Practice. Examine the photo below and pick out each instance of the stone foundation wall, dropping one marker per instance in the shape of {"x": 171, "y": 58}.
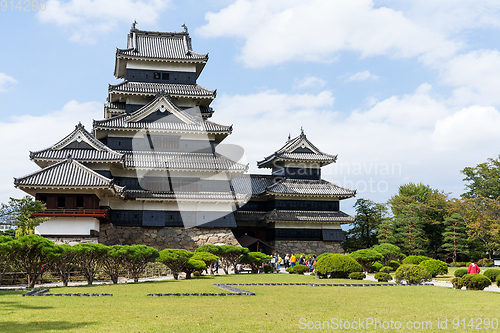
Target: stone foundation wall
{"x": 72, "y": 240}
{"x": 165, "y": 237}
{"x": 307, "y": 247}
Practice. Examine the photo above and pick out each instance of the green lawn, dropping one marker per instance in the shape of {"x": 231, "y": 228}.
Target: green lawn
{"x": 273, "y": 309}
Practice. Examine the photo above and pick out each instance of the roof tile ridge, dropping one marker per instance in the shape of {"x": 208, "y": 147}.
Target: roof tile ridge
{"x": 118, "y": 84}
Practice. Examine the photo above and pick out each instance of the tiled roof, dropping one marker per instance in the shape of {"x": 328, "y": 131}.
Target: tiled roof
{"x": 308, "y": 216}
{"x": 252, "y": 184}
{"x": 309, "y": 187}
{"x": 67, "y": 173}
{"x": 151, "y": 88}
{"x": 160, "y": 45}
{"x": 218, "y": 196}
{"x": 260, "y": 184}
{"x": 288, "y": 152}
{"x": 59, "y": 151}
{"x": 186, "y": 122}
{"x": 249, "y": 216}
{"x": 174, "y": 160}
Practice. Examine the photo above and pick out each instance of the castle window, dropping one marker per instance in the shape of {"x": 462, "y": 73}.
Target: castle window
{"x": 165, "y": 76}
{"x": 61, "y": 202}
{"x": 157, "y": 76}
{"x": 43, "y": 199}
{"x": 165, "y": 142}
{"x": 79, "y": 202}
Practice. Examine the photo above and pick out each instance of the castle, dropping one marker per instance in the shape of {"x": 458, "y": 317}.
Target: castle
{"x": 151, "y": 172}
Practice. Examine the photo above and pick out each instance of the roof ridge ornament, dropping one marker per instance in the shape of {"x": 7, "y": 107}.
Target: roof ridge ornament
{"x": 133, "y": 25}
{"x": 185, "y": 27}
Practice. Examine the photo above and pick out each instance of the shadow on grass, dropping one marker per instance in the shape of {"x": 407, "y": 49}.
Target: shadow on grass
{"x": 19, "y": 306}
{"x": 40, "y": 326}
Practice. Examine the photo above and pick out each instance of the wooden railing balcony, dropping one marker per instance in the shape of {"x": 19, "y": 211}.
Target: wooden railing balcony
{"x": 100, "y": 214}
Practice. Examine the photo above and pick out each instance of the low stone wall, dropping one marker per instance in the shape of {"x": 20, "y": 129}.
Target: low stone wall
{"x": 307, "y": 247}
{"x": 72, "y": 240}
{"x": 165, "y": 237}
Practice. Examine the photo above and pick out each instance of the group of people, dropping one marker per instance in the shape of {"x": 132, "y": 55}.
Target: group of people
{"x": 290, "y": 261}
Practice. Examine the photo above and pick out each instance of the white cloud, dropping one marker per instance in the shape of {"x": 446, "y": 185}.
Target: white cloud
{"x": 5, "y": 81}
{"x": 467, "y": 129}
{"x": 284, "y": 30}
{"x": 86, "y": 19}
{"x": 362, "y": 76}
{"x": 309, "y": 82}
{"x": 26, "y": 133}
{"x": 476, "y": 76}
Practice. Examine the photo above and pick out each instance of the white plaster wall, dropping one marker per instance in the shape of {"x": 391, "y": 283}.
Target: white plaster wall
{"x": 68, "y": 226}
{"x": 156, "y": 65}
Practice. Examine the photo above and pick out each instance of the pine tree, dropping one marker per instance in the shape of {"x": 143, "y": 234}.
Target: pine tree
{"x": 455, "y": 237}
{"x": 409, "y": 230}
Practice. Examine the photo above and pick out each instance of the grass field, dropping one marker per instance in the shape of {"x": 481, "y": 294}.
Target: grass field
{"x": 273, "y": 309}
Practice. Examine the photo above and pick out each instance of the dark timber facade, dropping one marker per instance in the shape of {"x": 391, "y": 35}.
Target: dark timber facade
{"x": 150, "y": 173}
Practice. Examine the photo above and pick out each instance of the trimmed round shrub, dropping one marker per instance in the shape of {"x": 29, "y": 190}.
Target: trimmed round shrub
{"x": 434, "y": 267}
{"x": 357, "y": 276}
{"x": 322, "y": 255}
{"x": 300, "y": 269}
{"x": 268, "y": 269}
{"x": 492, "y": 274}
{"x": 290, "y": 270}
{"x": 456, "y": 283}
{"x": 383, "y": 277}
{"x": 460, "y": 272}
{"x": 375, "y": 267}
{"x": 498, "y": 281}
{"x": 394, "y": 264}
{"x": 415, "y": 260}
{"x": 475, "y": 281}
{"x": 386, "y": 269}
{"x": 411, "y": 274}
{"x": 336, "y": 266}
{"x": 196, "y": 274}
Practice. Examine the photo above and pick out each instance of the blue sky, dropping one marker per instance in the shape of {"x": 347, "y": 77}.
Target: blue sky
{"x": 401, "y": 91}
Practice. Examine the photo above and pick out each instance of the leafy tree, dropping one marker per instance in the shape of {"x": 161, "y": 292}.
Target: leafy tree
{"x": 112, "y": 261}
{"x": 429, "y": 205}
{"x": 61, "y": 259}
{"x": 18, "y": 212}
{"x": 208, "y": 258}
{"x": 31, "y": 255}
{"x": 482, "y": 217}
{"x": 175, "y": 259}
{"x": 366, "y": 258}
{"x": 389, "y": 252}
{"x": 136, "y": 257}
{"x": 228, "y": 254}
{"x": 386, "y": 232}
{"x": 254, "y": 259}
{"x": 88, "y": 257}
{"x": 193, "y": 265}
{"x": 6, "y": 255}
{"x": 455, "y": 237}
{"x": 483, "y": 180}
{"x": 363, "y": 234}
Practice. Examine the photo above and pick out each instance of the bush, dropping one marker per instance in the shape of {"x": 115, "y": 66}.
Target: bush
{"x": 268, "y": 268}
{"x": 300, "y": 269}
{"x": 411, "y": 274}
{"x": 414, "y": 260}
{"x": 322, "y": 255}
{"x": 375, "y": 267}
{"x": 394, "y": 264}
{"x": 290, "y": 270}
{"x": 475, "y": 281}
{"x": 485, "y": 262}
{"x": 498, "y": 281}
{"x": 383, "y": 277}
{"x": 386, "y": 269}
{"x": 456, "y": 283}
{"x": 492, "y": 274}
{"x": 357, "y": 276}
{"x": 434, "y": 267}
{"x": 196, "y": 274}
{"x": 336, "y": 266}
{"x": 366, "y": 258}
{"x": 457, "y": 264}
{"x": 460, "y": 272}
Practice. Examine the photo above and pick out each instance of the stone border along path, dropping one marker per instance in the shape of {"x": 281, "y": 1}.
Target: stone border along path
{"x": 44, "y": 292}
{"x": 240, "y": 292}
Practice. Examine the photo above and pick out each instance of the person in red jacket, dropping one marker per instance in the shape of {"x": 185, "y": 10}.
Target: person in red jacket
{"x": 473, "y": 268}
